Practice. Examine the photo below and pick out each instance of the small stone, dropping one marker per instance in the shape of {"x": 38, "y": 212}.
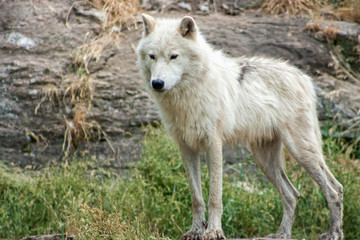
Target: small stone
{"x": 20, "y": 40}
{"x": 185, "y": 6}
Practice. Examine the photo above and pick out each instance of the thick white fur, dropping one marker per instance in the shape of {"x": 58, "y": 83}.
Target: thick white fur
{"x": 210, "y": 99}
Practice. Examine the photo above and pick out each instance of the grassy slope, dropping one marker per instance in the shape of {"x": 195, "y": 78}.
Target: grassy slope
{"x": 97, "y": 204}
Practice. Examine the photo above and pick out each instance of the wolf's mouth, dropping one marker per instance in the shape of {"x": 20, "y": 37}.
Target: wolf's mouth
{"x": 159, "y": 90}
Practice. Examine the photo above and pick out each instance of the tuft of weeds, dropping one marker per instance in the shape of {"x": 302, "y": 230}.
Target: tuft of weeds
{"x": 153, "y": 200}
{"x": 80, "y": 88}
{"x": 79, "y": 129}
{"x": 50, "y": 93}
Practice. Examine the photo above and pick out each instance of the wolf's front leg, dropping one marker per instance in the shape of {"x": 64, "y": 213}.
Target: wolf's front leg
{"x": 214, "y": 160}
{"x": 191, "y": 162}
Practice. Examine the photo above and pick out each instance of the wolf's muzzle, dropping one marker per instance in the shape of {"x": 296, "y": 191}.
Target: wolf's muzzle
{"x": 157, "y": 84}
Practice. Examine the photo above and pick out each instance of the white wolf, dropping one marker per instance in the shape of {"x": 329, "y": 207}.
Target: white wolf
{"x": 207, "y": 99}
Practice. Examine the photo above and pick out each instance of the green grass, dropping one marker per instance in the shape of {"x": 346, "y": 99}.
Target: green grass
{"x": 153, "y": 201}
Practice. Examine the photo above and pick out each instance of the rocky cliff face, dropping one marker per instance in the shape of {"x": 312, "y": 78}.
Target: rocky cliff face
{"x": 37, "y": 44}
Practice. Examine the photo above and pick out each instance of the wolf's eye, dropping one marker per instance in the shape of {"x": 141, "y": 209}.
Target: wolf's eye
{"x": 152, "y": 56}
{"x": 173, "y": 56}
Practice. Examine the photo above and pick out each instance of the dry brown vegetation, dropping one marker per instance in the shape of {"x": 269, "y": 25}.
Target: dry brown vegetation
{"x": 118, "y": 13}
{"x": 315, "y": 26}
{"x": 349, "y": 10}
{"x": 97, "y": 223}
{"x": 93, "y": 47}
{"x": 291, "y": 7}
{"x": 345, "y": 10}
{"x": 75, "y": 92}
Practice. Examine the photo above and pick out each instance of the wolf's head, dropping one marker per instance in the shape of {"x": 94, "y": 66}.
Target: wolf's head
{"x": 167, "y": 51}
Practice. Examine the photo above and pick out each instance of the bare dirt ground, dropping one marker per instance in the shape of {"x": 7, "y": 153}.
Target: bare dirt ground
{"x": 36, "y": 49}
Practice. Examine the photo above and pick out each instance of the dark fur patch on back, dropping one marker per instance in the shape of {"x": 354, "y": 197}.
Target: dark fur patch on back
{"x": 245, "y": 69}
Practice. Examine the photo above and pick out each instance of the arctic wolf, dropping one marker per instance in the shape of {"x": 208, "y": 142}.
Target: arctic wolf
{"x": 207, "y": 99}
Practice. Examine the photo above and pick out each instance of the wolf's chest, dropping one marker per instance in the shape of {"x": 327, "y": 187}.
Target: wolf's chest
{"x": 189, "y": 121}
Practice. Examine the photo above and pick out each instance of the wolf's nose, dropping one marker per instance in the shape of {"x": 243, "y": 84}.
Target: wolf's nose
{"x": 157, "y": 84}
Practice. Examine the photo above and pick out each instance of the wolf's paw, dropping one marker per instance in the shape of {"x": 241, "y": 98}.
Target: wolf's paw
{"x": 331, "y": 236}
{"x": 279, "y": 235}
{"x": 192, "y": 236}
{"x": 213, "y": 234}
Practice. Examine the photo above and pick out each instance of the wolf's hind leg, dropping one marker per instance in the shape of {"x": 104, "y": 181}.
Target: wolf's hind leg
{"x": 268, "y": 156}
{"x": 191, "y": 162}
{"x": 307, "y": 150}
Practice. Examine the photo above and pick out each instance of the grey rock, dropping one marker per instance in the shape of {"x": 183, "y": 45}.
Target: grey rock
{"x": 339, "y": 105}
{"x": 18, "y": 39}
{"x": 186, "y": 6}
{"x": 348, "y": 30}
{"x": 87, "y": 11}
{"x": 50, "y": 237}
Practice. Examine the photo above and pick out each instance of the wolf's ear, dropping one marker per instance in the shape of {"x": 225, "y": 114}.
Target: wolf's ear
{"x": 149, "y": 23}
{"x": 188, "y": 27}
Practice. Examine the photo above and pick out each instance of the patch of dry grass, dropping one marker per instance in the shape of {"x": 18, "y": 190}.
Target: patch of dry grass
{"x": 349, "y": 10}
{"x": 315, "y": 25}
{"x": 80, "y": 88}
{"x": 99, "y": 224}
{"x": 345, "y": 10}
{"x": 49, "y": 93}
{"x": 118, "y": 13}
{"x": 93, "y": 47}
{"x": 80, "y": 128}
{"x": 290, "y": 7}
